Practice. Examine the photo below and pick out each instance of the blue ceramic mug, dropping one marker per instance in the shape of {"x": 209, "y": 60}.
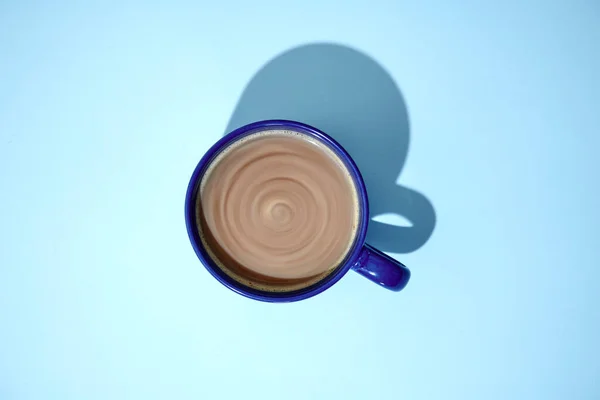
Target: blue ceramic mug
{"x": 362, "y": 258}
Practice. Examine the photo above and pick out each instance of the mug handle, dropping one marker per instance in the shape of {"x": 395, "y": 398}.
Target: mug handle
{"x": 381, "y": 269}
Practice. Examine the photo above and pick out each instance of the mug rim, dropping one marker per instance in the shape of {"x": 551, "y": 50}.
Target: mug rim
{"x": 218, "y": 273}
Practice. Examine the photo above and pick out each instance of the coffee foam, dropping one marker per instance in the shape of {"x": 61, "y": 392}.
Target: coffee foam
{"x": 262, "y": 277}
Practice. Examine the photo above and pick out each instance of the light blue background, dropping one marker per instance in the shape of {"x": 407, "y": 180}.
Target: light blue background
{"x": 105, "y": 109}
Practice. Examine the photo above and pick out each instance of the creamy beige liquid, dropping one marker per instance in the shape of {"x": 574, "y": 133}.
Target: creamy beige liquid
{"x": 277, "y": 210}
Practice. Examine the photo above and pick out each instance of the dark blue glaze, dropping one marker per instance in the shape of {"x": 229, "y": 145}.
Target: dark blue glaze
{"x": 381, "y": 269}
{"x": 366, "y": 260}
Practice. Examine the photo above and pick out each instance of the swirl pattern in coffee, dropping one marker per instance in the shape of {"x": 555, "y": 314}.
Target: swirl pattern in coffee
{"x": 277, "y": 210}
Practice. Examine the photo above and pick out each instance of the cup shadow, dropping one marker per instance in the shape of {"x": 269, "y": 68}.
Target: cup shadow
{"x": 349, "y": 96}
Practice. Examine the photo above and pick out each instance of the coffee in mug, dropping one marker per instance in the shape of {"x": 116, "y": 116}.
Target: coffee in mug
{"x": 277, "y": 210}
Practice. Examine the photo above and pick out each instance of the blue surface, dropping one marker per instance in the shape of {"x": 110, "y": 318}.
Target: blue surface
{"x": 105, "y": 109}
